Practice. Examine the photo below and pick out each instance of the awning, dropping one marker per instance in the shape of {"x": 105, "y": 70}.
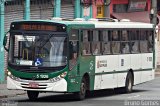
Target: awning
{"x": 133, "y": 16}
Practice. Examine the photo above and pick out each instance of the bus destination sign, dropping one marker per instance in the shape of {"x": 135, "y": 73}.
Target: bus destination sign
{"x": 38, "y": 27}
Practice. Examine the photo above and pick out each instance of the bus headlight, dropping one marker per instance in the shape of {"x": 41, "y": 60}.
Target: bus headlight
{"x": 9, "y": 73}
{"x": 13, "y": 77}
{"x": 58, "y": 78}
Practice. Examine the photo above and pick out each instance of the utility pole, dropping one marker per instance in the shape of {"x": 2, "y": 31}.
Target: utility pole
{"x": 153, "y": 20}
{"x": 27, "y": 10}
{"x": 57, "y": 8}
{"x": 1, "y": 41}
{"x": 77, "y": 9}
{"x": 107, "y": 8}
{"x": 153, "y": 12}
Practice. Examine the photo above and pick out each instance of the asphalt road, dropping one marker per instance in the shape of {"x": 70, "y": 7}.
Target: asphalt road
{"x": 146, "y": 94}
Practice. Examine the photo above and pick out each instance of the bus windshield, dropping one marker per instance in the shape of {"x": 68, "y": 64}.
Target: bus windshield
{"x": 42, "y": 50}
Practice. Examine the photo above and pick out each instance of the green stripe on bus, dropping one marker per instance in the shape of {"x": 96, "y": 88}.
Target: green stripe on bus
{"x": 125, "y": 71}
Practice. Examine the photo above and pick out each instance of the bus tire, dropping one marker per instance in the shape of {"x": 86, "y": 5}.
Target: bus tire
{"x": 129, "y": 83}
{"x": 82, "y": 93}
{"x": 32, "y": 95}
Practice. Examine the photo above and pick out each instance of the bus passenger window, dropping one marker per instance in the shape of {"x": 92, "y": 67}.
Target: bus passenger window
{"x": 115, "y": 36}
{"x": 125, "y": 42}
{"x": 134, "y": 47}
{"x": 106, "y": 48}
{"x": 85, "y": 43}
{"x": 134, "y": 37}
{"x": 150, "y": 41}
{"x": 106, "y": 42}
{"x": 115, "y": 42}
{"x": 125, "y": 47}
{"x": 95, "y": 43}
{"x": 95, "y": 48}
{"x": 86, "y": 48}
{"x": 115, "y": 47}
{"x": 124, "y": 35}
{"x": 143, "y": 42}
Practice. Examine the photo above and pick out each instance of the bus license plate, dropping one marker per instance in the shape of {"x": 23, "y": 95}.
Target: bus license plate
{"x": 33, "y": 85}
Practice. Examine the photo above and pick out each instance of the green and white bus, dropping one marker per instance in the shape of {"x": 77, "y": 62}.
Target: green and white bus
{"x": 78, "y": 56}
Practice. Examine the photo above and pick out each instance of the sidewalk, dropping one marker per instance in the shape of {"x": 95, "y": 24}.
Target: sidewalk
{"x": 4, "y": 92}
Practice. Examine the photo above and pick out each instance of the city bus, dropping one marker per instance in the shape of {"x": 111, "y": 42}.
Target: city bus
{"x": 78, "y": 56}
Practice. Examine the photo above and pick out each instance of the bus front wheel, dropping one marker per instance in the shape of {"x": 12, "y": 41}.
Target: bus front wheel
{"x": 82, "y": 93}
{"x": 32, "y": 95}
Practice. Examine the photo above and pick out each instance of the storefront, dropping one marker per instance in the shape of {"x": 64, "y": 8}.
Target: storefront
{"x": 41, "y": 9}
{"x": 67, "y": 9}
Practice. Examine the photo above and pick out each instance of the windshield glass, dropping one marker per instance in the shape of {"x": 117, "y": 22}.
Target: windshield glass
{"x": 39, "y": 50}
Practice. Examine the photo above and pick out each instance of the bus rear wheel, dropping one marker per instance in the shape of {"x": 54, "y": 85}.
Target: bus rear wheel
{"x": 129, "y": 83}
{"x": 82, "y": 93}
{"x": 32, "y": 95}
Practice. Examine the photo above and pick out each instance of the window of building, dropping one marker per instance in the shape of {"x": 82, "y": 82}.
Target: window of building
{"x": 100, "y": 11}
{"x": 120, "y": 8}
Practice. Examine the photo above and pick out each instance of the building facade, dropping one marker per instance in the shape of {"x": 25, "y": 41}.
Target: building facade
{"x": 135, "y": 10}
{"x": 13, "y": 10}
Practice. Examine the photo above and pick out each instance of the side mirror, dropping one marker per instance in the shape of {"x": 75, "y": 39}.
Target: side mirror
{"x": 5, "y": 41}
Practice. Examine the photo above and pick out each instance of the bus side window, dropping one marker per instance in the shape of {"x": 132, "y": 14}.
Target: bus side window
{"x": 95, "y": 43}
{"x": 150, "y": 41}
{"x": 125, "y": 49}
{"x": 134, "y": 37}
{"x": 86, "y": 42}
{"x": 143, "y": 42}
{"x": 115, "y": 42}
{"x": 106, "y": 42}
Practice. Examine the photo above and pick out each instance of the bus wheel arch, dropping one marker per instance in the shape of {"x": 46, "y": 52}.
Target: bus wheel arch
{"x": 87, "y": 78}
{"x": 84, "y": 86}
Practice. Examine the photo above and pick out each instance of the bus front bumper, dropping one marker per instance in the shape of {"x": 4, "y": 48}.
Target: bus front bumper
{"x": 59, "y": 86}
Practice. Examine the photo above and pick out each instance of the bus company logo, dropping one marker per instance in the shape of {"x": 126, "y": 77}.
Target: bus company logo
{"x": 101, "y": 63}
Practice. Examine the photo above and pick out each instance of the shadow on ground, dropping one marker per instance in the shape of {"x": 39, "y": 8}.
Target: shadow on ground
{"x": 71, "y": 97}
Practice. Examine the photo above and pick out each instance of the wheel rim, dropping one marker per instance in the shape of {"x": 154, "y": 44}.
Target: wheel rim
{"x": 129, "y": 84}
{"x": 83, "y": 89}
